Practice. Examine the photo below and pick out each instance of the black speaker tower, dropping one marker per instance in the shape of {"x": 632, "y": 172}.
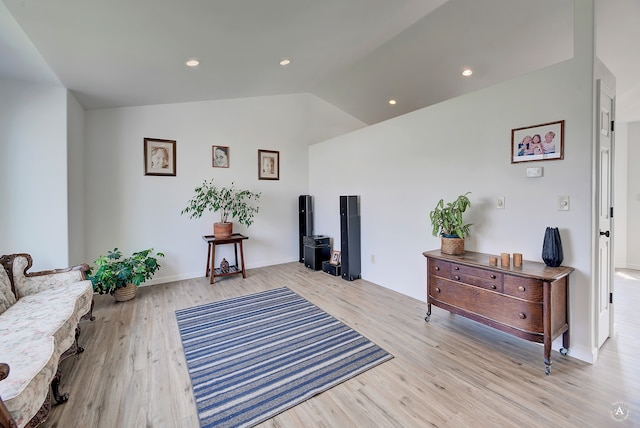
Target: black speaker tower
{"x": 305, "y": 216}
{"x": 350, "y": 237}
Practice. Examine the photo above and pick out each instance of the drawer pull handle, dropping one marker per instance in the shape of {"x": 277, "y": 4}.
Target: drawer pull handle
{"x": 456, "y": 268}
{"x": 437, "y": 267}
{"x": 457, "y": 278}
{"x": 522, "y": 316}
{"x": 437, "y": 289}
{"x": 493, "y": 287}
{"x": 493, "y": 276}
{"x": 521, "y": 288}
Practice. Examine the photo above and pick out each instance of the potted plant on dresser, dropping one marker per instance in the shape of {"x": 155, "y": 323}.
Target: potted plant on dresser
{"x": 447, "y": 222}
{"x": 230, "y": 202}
{"x": 120, "y": 276}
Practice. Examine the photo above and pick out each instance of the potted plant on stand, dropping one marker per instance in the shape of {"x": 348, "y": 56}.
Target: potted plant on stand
{"x": 230, "y": 202}
{"x": 120, "y": 276}
{"x": 447, "y": 223}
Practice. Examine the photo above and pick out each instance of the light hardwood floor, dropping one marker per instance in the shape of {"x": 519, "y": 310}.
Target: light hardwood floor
{"x": 450, "y": 372}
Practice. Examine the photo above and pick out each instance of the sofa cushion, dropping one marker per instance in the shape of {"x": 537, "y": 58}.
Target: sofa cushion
{"x": 78, "y": 295}
{"x": 33, "y": 364}
{"x": 7, "y": 298}
{"x": 54, "y": 312}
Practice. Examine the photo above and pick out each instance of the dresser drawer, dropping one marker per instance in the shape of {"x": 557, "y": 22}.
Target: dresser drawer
{"x": 504, "y": 309}
{"x": 439, "y": 268}
{"x": 523, "y": 288}
{"x": 478, "y": 277}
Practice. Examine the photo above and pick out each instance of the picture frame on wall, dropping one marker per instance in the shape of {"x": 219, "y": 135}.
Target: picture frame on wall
{"x": 268, "y": 165}
{"x": 538, "y": 142}
{"x": 335, "y": 257}
{"x": 159, "y": 157}
{"x": 220, "y": 156}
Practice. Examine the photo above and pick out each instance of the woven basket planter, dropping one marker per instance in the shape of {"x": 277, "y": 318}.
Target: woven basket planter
{"x": 452, "y": 246}
{"x": 128, "y": 292}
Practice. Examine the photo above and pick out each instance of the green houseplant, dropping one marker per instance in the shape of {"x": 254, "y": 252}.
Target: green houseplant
{"x": 120, "y": 276}
{"x": 447, "y": 222}
{"x": 230, "y": 202}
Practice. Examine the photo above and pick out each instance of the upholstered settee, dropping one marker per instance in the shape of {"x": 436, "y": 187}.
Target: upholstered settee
{"x": 40, "y": 315}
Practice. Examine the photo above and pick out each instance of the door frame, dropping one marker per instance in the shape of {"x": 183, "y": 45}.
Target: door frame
{"x": 602, "y": 87}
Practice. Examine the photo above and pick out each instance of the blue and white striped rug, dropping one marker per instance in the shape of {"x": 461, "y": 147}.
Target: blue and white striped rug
{"x": 255, "y": 356}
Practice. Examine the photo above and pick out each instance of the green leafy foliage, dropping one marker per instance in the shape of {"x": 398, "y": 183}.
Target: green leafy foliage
{"x": 228, "y": 201}
{"x": 113, "y": 271}
{"x": 447, "y": 219}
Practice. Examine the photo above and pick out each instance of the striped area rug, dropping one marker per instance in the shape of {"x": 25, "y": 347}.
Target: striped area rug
{"x": 255, "y": 356}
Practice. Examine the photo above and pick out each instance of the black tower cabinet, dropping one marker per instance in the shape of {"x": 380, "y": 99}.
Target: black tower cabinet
{"x": 350, "y": 237}
{"x": 305, "y": 220}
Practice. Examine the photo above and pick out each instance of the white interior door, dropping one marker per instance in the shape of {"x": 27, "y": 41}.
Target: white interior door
{"x": 605, "y": 205}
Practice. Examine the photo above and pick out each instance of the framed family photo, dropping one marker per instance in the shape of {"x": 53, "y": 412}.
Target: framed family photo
{"x": 268, "y": 165}
{"x": 538, "y": 142}
{"x": 335, "y": 257}
{"x": 159, "y": 157}
{"x": 220, "y": 156}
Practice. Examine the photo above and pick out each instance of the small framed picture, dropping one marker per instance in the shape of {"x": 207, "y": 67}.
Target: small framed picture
{"x": 538, "y": 142}
{"x": 220, "y": 156}
{"x": 335, "y": 257}
{"x": 268, "y": 165}
{"x": 159, "y": 157}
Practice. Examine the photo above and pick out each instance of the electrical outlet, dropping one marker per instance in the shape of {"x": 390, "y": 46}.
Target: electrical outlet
{"x": 373, "y": 259}
{"x": 500, "y": 202}
{"x": 563, "y": 203}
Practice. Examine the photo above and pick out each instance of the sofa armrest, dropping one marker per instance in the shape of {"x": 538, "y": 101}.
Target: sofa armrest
{"x": 6, "y": 420}
{"x": 28, "y": 283}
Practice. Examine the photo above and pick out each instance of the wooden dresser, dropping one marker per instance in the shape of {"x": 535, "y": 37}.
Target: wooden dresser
{"x": 530, "y": 302}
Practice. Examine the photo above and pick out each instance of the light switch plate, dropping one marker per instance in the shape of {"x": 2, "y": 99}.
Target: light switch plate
{"x": 534, "y": 172}
{"x": 500, "y": 202}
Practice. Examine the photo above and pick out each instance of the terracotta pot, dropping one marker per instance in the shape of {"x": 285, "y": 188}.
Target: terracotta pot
{"x": 125, "y": 293}
{"x": 453, "y": 246}
{"x": 222, "y": 230}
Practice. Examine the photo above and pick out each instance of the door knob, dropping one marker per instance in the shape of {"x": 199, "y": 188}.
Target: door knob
{"x": 604, "y": 233}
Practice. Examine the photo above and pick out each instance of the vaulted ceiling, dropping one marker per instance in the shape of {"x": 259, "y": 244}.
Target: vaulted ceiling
{"x": 355, "y": 54}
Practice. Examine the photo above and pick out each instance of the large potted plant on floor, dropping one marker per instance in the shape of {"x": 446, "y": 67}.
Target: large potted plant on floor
{"x": 446, "y": 220}
{"x": 230, "y": 202}
{"x": 121, "y": 276}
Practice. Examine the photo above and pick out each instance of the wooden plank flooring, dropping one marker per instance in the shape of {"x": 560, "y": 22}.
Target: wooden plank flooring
{"x": 450, "y": 372}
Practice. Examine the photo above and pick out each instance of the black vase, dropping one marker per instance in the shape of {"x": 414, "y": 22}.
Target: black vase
{"x": 552, "y": 247}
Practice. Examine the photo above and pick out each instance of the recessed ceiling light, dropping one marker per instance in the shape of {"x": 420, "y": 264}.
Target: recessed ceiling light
{"x": 192, "y": 62}
{"x": 285, "y": 61}
{"x": 393, "y": 102}
{"x": 467, "y": 72}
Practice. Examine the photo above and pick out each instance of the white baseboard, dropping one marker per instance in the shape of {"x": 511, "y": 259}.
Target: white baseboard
{"x": 584, "y": 354}
{"x": 164, "y": 279}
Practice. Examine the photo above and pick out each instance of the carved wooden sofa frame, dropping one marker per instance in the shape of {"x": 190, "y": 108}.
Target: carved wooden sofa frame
{"x": 8, "y": 262}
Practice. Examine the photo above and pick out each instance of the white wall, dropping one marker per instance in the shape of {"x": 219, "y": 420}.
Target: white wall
{"x": 76, "y": 178}
{"x": 633, "y": 197}
{"x": 620, "y": 218}
{"x": 33, "y": 170}
{"x": 128, "y": 210}
{"x": 402, "y": 167}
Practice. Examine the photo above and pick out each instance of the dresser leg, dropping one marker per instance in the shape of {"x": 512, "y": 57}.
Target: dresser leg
{"x": 428, "y": 316}
{"x": 547, "y": 363}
